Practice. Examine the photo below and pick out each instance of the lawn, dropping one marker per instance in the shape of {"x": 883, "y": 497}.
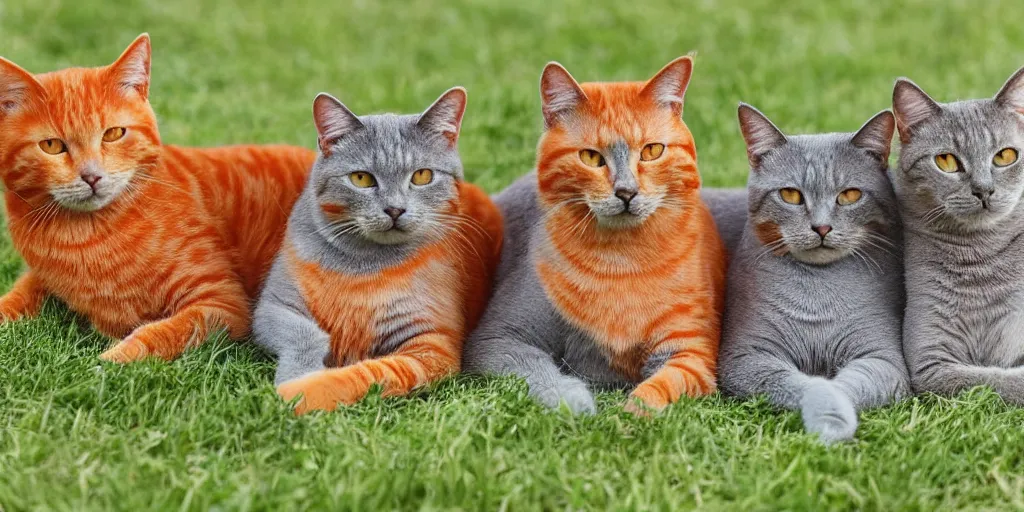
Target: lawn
{"x": 207, "y": 431}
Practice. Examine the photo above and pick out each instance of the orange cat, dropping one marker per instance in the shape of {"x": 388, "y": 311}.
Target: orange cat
{"x": 161, "y": 244}
{"x": 620, "y": 280}
{"x": 388, "y": 259}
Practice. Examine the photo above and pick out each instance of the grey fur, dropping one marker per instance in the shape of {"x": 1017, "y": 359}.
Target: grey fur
{"x": 729, "y": 208}
{"x": 964, "y": 323}
{"x": 390, "y": 147}
{"x": 817, "y": 330}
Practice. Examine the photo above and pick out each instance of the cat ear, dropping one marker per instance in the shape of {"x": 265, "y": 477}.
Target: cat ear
{"x": 760, "y": 133}
{"x": 333, "y": 121}
{"x": 1012, "y": 92}
{"x": 669, "y": 85}
{"x": 875, "y": 136}
{"x": 16, "y": 87}
{"x": 911, "y": 106}
{"x": 131, "y": 69}
{"x": 560, "y": 93}
{"x": 444, "y": 117}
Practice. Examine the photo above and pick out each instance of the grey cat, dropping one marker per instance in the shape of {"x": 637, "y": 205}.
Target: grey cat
{"x": 387, "y": 221}
{"x": 959, "y": 185}
{"x": 815, "y": 290}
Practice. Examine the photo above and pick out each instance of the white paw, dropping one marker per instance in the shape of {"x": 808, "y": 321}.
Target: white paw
{"x": 828, "y": 412}
{"x": 570, "y": 391}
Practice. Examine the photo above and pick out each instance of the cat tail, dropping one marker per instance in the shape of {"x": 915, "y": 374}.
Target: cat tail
{"x": 421, "y": 360}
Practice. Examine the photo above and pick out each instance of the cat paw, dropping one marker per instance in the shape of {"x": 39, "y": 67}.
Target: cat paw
{"x": 570, "y": 391}
{"x": 828, "y": 412}
{"x": 128, "y": 350}
{"x": 319, "y": 391}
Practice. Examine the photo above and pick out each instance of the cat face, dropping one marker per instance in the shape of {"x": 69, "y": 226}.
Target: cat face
{"x": 960, "y": 165}
{"x": 387, "y": 179}
{"x": 79, "y": 136}
{"x": 818, "y": 198}
{"x": 617, "y": 152}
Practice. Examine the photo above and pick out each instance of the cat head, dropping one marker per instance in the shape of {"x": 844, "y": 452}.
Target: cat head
{"x": 80, "y": 135}
{"x": 616, "y": 151}
{"x": 960, "y": 163}
{"x": 818, "y": 198}
{"x": 387, "y": 179}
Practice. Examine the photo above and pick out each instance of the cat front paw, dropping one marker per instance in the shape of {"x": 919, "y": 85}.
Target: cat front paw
{"x": 128, "y": 350}
{"x": 322, "y": 391}
{"x": 828, "y": 412}
{"x": 568, "y": 390}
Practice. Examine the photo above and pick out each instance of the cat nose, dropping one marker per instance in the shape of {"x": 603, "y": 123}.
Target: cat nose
{"x": 984, "y": 196}
{"x": 822, "y": 230}
{"x": 91, "y": 178}
{"x": 393, "y": 212}
{"x": 625, "y": 195}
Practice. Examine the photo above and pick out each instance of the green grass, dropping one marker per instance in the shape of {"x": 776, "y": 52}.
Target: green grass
{"x": 208, "y": 431}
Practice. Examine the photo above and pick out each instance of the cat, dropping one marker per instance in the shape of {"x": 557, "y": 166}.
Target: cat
{"x": 959, "y": 185}
{"x": 815, "y": 290}
{"x": 728, "y": 206}
{"x": 612, "y": 274}
{"x": 387, "y": 262}
{"x": 158, "y": 244}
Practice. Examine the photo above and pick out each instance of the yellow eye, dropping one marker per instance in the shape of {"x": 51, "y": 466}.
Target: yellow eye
{"x": 849, "y": 196}
{"x": 591, "y": 158}
{"x": 1005, "y": 157}
{"x": 946, "y": 162}
{"x": 791, "y": 196}
{"x": 53, "y": 146}
{"x": 113, "y": 134}
{"x": 422, "y": 177}
{"x": 362, "y": 179}
{"x": 652, "y": 152}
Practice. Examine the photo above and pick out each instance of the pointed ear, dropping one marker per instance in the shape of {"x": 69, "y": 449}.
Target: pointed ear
{"x": 333, "y": 121}
{"x": 444, "y": 117}
{"x": 669, "y": 85}
{"x": 560, "y": 93}
{"x": 1012, "y": 92}
{"x": 17, "y": 86}
{"x": 131, "y": 69}
{"x": 875, "y": 136}
{"x": 760, "y": 134}
{"x": 911, "y": 106}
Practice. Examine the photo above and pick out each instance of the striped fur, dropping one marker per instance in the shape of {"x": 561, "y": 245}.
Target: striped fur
{"x": 176, "y": 246}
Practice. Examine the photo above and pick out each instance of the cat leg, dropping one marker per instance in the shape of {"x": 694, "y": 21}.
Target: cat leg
{"x": 417, "y": 362}
{"x": 828, "y": 411}
{"x": 299, "y": 343}
{"x": 207, "y": 304}
{"x": 688, "y": 368}
{"x": 24, "y": 300}
{"x": 547, "y": 384}
{"x": 949, "y": 378}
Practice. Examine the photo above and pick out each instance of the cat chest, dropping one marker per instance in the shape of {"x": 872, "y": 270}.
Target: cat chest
{"x": 617, "y": 313}
{"x": 370, "y": 316}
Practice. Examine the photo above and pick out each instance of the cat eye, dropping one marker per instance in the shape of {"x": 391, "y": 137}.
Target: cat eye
{"x": 849, "y": 196}
{"x": 362, "y": 179}
{"x": 113, "y": 134}
{"x": 946, "y": 162}
{"x": 1005, "y": 157}
{"x": 422, "y": 177}
{"x": 791, "y": 196}
{"x": 651, "y": 152}
{"x": 53, "y": 146}
{"x": 591, "y": 158}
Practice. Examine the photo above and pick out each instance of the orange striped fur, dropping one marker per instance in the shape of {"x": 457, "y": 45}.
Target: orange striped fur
{"x": 179, "y": 252}
{"x": 657, "y": 288}
{"x": 455, "y": 273}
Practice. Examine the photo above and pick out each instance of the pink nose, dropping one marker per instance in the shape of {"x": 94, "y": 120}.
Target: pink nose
{"x": 91, "y": 178}
{"x": 822, "y": 230}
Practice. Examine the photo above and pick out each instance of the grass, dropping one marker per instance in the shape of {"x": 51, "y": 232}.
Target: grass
{"x": 208, "y": 431}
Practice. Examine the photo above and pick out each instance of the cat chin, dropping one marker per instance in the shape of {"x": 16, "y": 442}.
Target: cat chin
{"x": 389, "y": 237}
{"x": 91, "y": 204}
{"x": 620, "y": 221}
{"x": 819, "y": 255}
